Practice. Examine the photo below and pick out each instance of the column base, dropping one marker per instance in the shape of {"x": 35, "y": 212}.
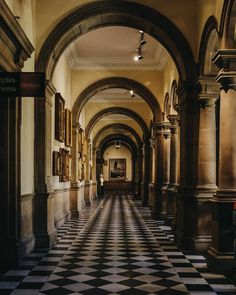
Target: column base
{"x": 164, "y": 201}
{"x": 185, "y": 219}
{"x": 74, "y": 214}
{"x": 202, "y": 243}
{"x": 45, "y": 240}
{"x": 220, "y": 255}
{"x": 171, "y": 205}
{"x": 86, "y": 194}
{"x": 184, "y": 242}
{"x": 219, "y": 262}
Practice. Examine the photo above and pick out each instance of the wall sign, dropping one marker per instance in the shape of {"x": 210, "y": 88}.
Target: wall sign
{"x": 22, "y": 84}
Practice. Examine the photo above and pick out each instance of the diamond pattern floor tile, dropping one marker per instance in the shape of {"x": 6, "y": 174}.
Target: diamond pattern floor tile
{"x": 114, "y": 249}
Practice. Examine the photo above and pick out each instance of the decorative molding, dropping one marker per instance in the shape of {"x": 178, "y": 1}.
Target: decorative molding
{"x": 17, "y": 46}
{"x": 27, "y": 197}
{"x": 225, "y": 59}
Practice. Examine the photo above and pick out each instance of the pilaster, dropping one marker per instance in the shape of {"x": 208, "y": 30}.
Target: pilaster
{"x": 44, "y": 229}
{"x": 158, "y": 180}
{"x": 185, "y": 205}
{"x": 166, "y": 165}
{"x": 220, "y": 255}
{"x": 174, "y": 156}
{"x": 206, "y": 185}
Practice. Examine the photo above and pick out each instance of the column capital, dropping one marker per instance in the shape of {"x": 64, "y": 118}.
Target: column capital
{"x": 156, "y": 129}
{"x": 174, "y": 120}
{"x": 166, "y": 129}
{"x": 152, "y": 142}
{"x": 208, "y": 86}
{"x": 225, "y": 60}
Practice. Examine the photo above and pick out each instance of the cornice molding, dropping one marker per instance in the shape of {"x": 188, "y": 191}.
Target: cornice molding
{"x": 17, "y": 44}
{"x": 225, "y": 59}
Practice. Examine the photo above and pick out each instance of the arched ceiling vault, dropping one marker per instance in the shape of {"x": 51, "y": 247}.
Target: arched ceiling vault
{"x": 110, "y": 140}
{"x": 117, "y": 13}
{"x": 117, "y": 82}
{"x": 116, "y": 110}
{"x": 117, "y": 126}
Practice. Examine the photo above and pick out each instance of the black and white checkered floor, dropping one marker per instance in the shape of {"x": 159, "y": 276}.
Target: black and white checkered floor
{"x": 114, "y": 248}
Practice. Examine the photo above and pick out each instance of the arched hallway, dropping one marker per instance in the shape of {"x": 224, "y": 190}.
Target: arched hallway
{"x": 135, "y": 96}
{"x": 115, "y": 247}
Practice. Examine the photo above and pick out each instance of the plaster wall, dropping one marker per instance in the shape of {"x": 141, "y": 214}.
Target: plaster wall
{"x": 169, "y": 75}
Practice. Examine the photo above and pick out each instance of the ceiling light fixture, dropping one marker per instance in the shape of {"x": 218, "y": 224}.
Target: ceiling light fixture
{"x": 142, "y": 42}
{"x": 132, "y": 93}
{"x": 117, "y": 144}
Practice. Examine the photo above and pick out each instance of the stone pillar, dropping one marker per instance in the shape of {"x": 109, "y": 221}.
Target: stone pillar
{"x": 220, "y": 255}
{"x": 152, "y": 176}
{"x": 185, "y": 205}
{"x": 146, "y": 172}
{"x": 44, "y": 229}
{"x": 166, "y": 166}
{"x": 206, "y": 186}
{"x": 86, "y": 172}
{"x": 94, "y": 169}
{"x": 158, "y": 180}
{"x": 74, "y": 202}
{"x": 172, "y": 187}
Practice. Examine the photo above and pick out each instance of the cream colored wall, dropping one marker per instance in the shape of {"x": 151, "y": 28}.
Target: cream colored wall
{"x": 61, "y": 81}
{"x": 207, "y": 8}
{"x": 26, "y": 11}
{"x": 182, "y": 14}
{"x": 121, "y": 153}
{"x": 169, "y": 75}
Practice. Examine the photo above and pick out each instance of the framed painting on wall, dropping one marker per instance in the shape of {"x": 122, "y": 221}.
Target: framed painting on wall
{"x": 117, "y": 169}
{"x": 59, "y": 117}
{"x": 56, "y": 163}
{"x": 68, "y": 128}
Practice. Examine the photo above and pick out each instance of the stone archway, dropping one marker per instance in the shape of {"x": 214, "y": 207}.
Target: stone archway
{"x": 116, "y": 110}
{"x": 134, "y": 184}
{"x": 123, "y": 13}
{"x": 117, "y": 82}
{"x": 119, "y": 126}
{"x": 142, "y": 124}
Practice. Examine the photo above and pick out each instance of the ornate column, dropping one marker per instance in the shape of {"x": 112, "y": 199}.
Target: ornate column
{"x": 86, "y": 172}
{"x": 158, "y": 170}
{"x": 74, "y": 202}
{"x": 146, "y": 173}
{"x": 94, "y": 169}
{"x": 206, "y": 185}
{"x": 151, "y": 186}
{"x": 185, "y": 205}
{"x": 220, "y": 255}
{"x": 172, "y": 187}
{"x": 166, "y": 166}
